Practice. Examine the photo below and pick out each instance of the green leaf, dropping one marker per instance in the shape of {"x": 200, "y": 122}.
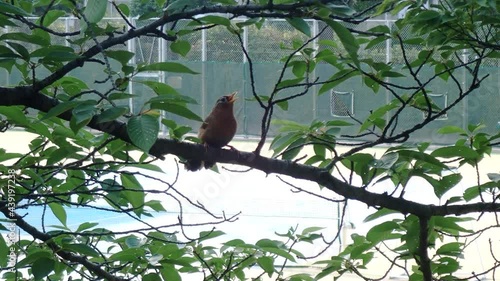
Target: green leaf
{"x": 133, "y": 242}
{"x": 455, "y": 151}
{"x": 380, "y": 213}
{"x": 14, "y": 114}
{"x": 86, "y": 225}
{"x": 234, "y": 243}
{"x": 387, "y": 161}
{"x": 283, "y": 105}
{"x": 377, "y": 114}
{"x": 290, "y": 82}
{"x": 417, "y": 155}
{"x": 216, "y": 20}
{"x": 82, "y": 249}
{"x": 59, "y": 212}
{"x": 377, "y": 40}
{"x": 4, "y": 156}
{"x": 178, "y": 109}
{"x": 293, "y": 149}
{"x": 268, "y": 243}
{"x": 311, "y": 229}
{"x": 58, "y": 56}
{"x": 168, "y": 272}
{"x": 155, "y": 205}
{"x": 10, "y": 9}
{"x": 450, "y": 224}
{"x": 84, "y": 111}
{"x": 4, "y": 249}
{"x": 391, "y": 74}
{"x": 180, "y": 47}
{"x": 166, "y": 93}
{"x": 473, "y": 192}
{"x": 267, "y": 264}
{"x": 300, "y": 24}
{"x": 124, "y": 9}
{"x": 338, "y": 123}
{"x": 6, "y": 52}
{"x": 8, "y": 64}
{"x": 59, "y": 109}
{"x": 20, "y": 49}
{"x": 280, "y": 142}
{"x": 279, "y": 252}
{"x": 166, "y": 66}
{"x": 453, "y": 249}
{"x": 206, "y": 235}
{"x": 23, "y": 37}
{"x": 319, "y": 150}
{"x": 382, "y": 232}
{"x": 446, "y": 265}
{"x": 446, "y": 184}
{"x": 134, "y": 192}
{"x": 95, "y": 10}
{"x": 111, "y": 114}
{"x": 336, "y": 79}
{"x": 151, "y": 277}
{"x": 299, "y": 68}
{"x": 42, "y": 267}
{"x": 347, "y": 39}
{"x": 4, "y": 22}
{"x": 143, "y": 131}
{"x": 121, "y": 56}
{"x": 427, "y": 15}
{"x": 327, "y": 271}
{"x": 51, "y": 16}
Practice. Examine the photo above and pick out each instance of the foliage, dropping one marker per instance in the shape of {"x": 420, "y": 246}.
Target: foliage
{"x": 92, "y": 151}
{"x": 141, "y": 7}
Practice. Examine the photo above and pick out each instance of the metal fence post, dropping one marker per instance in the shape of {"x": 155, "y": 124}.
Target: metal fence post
{"x": 244, "y": 86}
{"x": 131, "y": 48}
{"x": 315, "y": 31}
{"x": 203, "y": 72}
{"x": 465, "y": 108}
{"x": 388, "y": 58}
{"x": 163, "y": 57}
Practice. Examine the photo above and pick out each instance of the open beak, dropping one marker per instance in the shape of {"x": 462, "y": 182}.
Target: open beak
{"x": 232, "y": 97}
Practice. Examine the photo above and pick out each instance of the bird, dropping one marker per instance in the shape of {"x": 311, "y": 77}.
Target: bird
{"x": 217, "y": 130}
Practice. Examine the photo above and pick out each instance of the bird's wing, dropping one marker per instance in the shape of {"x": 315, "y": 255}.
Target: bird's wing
{"x": 201, "y": 132}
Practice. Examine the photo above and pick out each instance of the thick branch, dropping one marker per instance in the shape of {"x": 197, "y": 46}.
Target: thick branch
{"x": 41, "y": 102}
{"x": 425, "y": 262}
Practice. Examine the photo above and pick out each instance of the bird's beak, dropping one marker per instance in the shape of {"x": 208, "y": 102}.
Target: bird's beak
{"x": 232, "y": 97}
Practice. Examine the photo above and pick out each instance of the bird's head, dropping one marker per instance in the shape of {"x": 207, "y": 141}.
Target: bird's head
{"x": 227, "y": 101}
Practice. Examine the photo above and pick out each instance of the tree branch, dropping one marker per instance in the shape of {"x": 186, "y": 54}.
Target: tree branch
{"x": 425, "y": 262}
{"x": 23, "y": 96}
{"x": 92, "y": 267}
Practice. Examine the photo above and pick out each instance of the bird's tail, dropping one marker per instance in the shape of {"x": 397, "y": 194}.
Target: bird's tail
{"x": 208, "y": 164}
{"x": 193, "y": 165}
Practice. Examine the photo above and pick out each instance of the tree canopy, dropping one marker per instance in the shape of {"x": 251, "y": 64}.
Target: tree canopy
{"x": 97, "y": 141}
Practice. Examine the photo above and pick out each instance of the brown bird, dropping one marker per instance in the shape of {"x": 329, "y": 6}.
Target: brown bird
{"x": 217, "y": 130}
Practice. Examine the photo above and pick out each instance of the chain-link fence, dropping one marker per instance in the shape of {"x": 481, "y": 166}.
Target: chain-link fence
{"x": 217, "y": 55}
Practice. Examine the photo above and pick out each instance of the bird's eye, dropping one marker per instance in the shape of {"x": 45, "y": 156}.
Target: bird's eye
{"x": 223, "y": 99}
